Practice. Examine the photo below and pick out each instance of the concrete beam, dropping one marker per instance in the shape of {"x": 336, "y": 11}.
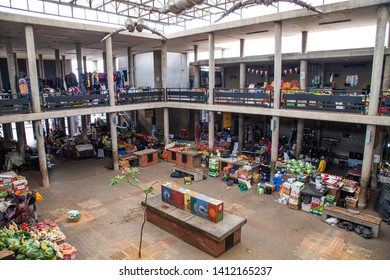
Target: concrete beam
{"x": 317, "y": 55}
{"x": 285, "y": 113}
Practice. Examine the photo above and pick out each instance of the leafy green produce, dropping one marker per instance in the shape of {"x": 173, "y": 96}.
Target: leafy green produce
{"x": 20, "y": 257}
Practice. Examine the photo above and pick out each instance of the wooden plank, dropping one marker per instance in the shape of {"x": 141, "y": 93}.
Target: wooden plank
{"x": 195, "y": 172}
{"x": 361, "y": 219}
{"x": 360, "y": 216}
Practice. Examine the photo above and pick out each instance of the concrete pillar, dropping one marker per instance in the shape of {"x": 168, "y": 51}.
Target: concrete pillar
{"x": 47, "y": 125}
{"x": 110, "y": 72}
{"x": 378, "y": 151}
{"x": 11, "y": 68}
{"x": 300, "y": 131}
{"x": 304, "y": 42}
{"x": 17, "y": 65}
{"x": 242, "y": 48}
{"x": 386, "y": 70}
{"x": 105, "y": 61}
{"x": 241, "y": 133}
{"x": 85, "y": 64}
{"x": 197, "y": 68}
{"x": 157, "y": 68}
{"x": 32, "y": 65}
{"x": 196, "y": 123}
{"x": 57, "y": 62}
{"x": 79, "y": 63}
{"x": 211, "y": 131}
{"x": 111, "y": 92}
{"x": 63, "y": 62}
{"x": 242, "y": 75}
{"x": 68, "y": 120}
{"x": 303, "y": 66}
{"x": 164, "y": 64}
{"x": 211, "y": 71}
{"x": 41, "y": 152}
{"x": 130, "y": 64}
{"x": 377, "y": 66}
{"x": 84, "y": 124}
{"x": 62, "y": 124}
{"x": 242, "y": 65}
{"x": 21, "y": 134}
{"x": 166, "y": 126}
{"x": 278, "y": 79}
{"x": 114, "y": 140}
{"x": 7, "y": 131}
{"x": 303, "y": 74}
{"x": 41, "y": 67}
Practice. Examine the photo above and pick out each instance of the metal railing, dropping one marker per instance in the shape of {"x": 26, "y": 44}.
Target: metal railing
{"x": 246, "y": 97}
{"x": 186, "y": 95}
{"x": 9, "y": 105}
{"x": 150, "y": 95}
{"x": 329, "y": 103}
{"x": 340, "y": 101}
{"x": 73, "y": 102}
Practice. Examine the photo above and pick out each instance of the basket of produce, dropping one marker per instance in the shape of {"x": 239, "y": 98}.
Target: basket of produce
{"x": 73, "y": 216}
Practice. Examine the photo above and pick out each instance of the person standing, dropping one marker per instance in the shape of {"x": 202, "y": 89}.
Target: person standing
{"x": 322, "y": 165}
{"x": 22, "y": 213}
{"x": 31, "y": 201}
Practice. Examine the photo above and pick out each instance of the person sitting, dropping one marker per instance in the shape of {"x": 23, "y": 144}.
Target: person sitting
{"x": 23, "y": 213}
{"x": 31, "y": 201}
{"x": 10, "y": 196}
{"x": 322, "y": 165}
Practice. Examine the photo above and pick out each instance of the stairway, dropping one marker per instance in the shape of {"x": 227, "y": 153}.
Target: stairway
{"x": 127, "y": 118}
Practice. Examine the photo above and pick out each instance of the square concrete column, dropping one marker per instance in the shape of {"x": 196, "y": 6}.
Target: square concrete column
{"x": 211, "y": 68}
{"x": 41, "y": 67}
{"x": 278, "y": 79}
{"x": 130, "y": 66}
{"x": 11, "y": 68}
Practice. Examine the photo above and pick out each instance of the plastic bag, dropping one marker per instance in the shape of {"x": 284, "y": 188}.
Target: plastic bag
{"x": 38, "y": 197}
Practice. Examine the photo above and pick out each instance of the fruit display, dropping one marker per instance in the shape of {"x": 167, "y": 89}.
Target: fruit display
{"x": 299, "y": 166}
{"x": 37, "y": 242}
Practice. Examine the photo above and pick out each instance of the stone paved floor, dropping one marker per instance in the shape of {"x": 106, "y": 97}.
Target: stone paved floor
{"x": 112, "y": 216}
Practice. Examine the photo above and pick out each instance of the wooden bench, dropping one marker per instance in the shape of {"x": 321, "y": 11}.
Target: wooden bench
{"x": 194, "y": 172}
{"x": 361, "y": 218}
{"x": 213, "y": 239}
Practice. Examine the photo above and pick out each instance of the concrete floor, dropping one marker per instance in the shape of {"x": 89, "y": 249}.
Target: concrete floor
{"x": 112, "y": 217}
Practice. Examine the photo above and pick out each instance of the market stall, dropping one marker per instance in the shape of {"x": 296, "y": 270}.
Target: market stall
{"x": 42, "y": 241}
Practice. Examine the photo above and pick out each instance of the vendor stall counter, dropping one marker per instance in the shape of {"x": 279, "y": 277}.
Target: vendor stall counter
{"x": 147, "y": 157}
{"x": 191, "y": 159}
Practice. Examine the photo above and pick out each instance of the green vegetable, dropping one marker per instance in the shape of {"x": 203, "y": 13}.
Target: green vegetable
{"x": 49, "y": 253}
{"x": 20, "y": 257}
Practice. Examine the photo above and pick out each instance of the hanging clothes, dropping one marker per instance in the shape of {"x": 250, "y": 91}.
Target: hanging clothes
{"x": 352, "y": 80}
{"x": 23, "y": 87}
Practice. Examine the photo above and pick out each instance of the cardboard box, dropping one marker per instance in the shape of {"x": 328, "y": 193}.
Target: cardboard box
{"x": 306, "y": 207}
{"x": 351, "y": 202}
{"x": 317, "y": 205}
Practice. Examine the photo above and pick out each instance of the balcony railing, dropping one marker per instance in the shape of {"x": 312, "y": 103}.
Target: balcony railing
{"x": 186, "y": 95}
{"x": 329, "y": 103}
{"x": 146, "y": 96}
{"x": 320, "y": 100}
{"x": 245, "y": 97}
{"x": 9, "y": 105}
{"x": 73, "y": 102}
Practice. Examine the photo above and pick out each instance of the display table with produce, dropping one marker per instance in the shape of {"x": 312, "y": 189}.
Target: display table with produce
{"x": 36, "y": 242}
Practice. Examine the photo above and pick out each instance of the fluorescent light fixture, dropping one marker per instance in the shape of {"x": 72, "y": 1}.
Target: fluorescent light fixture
{"x": 55, "y": 36}
{"x": 335, "y": 21}
{"x": 200, "y": 40}
{"x": 256, "y": 32}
